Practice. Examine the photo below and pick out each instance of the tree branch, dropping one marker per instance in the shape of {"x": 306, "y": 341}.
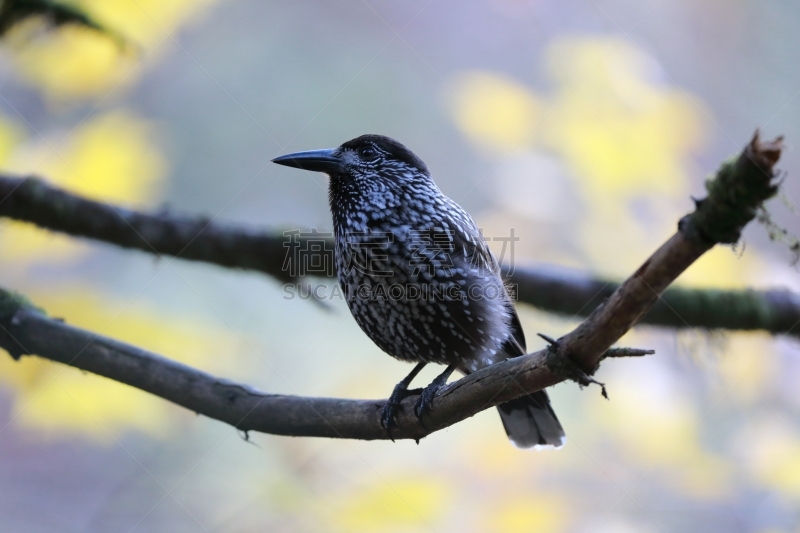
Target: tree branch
{"x": 572, "y": 293}
{"x": 195, "y": 239}
{"x": 25, "y": 330}
{"x": 198, "y": 239}
{"x": 738, "y": 189}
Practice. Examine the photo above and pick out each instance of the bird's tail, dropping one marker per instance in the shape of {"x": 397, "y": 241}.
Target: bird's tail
{"x": 530, "y": 422}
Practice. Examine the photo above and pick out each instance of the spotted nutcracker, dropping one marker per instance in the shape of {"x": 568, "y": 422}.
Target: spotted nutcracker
{"x": 419, "y": 278}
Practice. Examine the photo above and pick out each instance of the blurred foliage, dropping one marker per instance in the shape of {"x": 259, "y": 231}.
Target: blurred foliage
{"x": 626, "y": 136}
{"x": 529, "y": 512}
{"x": 78, "y": 62}
{"x": 615, "y": 135}
{"x": 58, "y": 399}
{"x": 621, "y": 129}
{"x": 12, "y": 12}
{"x": 71, "y": 63}
{"x": 495, "y": 111}
{"x": 775, "y": 458}
{"x": 111, "y": 157}
{"x": 393, "y": 505}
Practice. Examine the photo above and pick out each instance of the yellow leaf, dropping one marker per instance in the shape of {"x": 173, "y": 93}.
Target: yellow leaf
{"x": 620, "y": 127}
{"x": 72, "y": 62}
{"x": 110, "y": 158}
{"x": 145, "y": 22}
{"x": 493, "y": 110}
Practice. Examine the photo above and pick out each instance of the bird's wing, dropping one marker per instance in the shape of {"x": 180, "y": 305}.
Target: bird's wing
{"x": 466, "y": 241}
{"x": 469, "y": 243}
{"x": 515, "y": 345}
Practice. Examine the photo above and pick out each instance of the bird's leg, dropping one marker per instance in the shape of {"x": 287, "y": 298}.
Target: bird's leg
{"x": 425, "y": 403}
{"x": 393, "y": 403}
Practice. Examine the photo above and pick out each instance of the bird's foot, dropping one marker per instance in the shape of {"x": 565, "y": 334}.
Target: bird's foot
{"x": 425, "y": 403}
{"x": 564, "y": 366}
{"x": 393, "y": 406}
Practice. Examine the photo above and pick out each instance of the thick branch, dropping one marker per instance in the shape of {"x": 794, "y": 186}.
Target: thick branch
{"x": 738, "y": 189}
{"x": 197, "y": 239}
{"x": 26, "y": 330}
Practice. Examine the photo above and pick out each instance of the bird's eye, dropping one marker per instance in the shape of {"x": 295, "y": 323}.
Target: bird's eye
{"x": 367, "y": 153}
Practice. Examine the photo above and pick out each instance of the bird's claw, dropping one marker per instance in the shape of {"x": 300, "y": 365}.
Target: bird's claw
{"x": 424, "y": 404}
{"x": 393, "y": 406}
{"x": 388, "y": 414}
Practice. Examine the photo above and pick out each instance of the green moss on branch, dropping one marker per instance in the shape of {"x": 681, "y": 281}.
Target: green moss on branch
{"x": 735, "y": 194}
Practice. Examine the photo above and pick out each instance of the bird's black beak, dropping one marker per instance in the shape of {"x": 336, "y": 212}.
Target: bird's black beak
{"x": 316, "y": 160}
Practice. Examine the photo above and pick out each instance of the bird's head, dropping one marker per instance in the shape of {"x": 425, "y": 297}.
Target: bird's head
{"x": 364, "y": 163}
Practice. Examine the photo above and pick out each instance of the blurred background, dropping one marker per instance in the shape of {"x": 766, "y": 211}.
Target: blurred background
{"x": 583, "y": 125}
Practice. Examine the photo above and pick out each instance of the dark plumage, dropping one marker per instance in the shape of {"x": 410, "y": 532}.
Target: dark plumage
{"x": 419, "y": 277}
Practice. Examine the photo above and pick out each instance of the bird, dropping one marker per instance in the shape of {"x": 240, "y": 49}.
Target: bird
{"x": 419, "y": 278}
